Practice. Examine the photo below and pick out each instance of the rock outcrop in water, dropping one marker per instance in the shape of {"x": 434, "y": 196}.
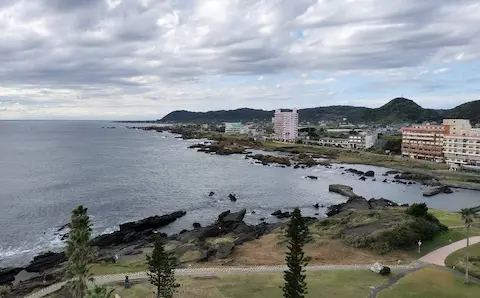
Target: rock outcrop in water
{"x": 137, "y": 230}
{"x": 354, "y": 202}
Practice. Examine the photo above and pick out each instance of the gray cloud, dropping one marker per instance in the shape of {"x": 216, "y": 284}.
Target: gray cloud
{"x": 170, "y": 49}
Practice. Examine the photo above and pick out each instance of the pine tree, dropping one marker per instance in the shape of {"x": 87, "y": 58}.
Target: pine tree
{"x": 297, "y": 234}
{"x": 79, "y": 252}
{"x": 99, "y": 292}
{"x": 468, "y": 215}
{"x": 161, "y": 270}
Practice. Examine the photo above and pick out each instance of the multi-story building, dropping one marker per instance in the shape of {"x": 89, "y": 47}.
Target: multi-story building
{"x": 235, "y": 128}
{"x": 423, "y": 141}
{"x": 363, "y": 140}
{"x": 334, "y": 142}
{"x": 285, "y": 125}
{"x": 462, "y": 143}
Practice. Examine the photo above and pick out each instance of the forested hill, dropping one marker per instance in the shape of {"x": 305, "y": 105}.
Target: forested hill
{"x": 397, "y": 110}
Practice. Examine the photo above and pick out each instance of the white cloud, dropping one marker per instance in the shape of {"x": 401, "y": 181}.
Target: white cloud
{"x": 150, "y": 57}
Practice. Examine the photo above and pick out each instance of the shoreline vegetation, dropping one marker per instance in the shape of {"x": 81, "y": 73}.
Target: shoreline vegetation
{"x": 223, "y": 144}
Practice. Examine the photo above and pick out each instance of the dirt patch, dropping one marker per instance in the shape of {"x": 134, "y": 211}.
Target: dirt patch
{"x": 270, "y": 250}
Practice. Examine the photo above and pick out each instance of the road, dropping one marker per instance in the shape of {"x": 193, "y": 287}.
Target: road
{"x": 438, "y": 256}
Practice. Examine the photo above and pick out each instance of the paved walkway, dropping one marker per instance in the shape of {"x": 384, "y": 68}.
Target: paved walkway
{"x": 212, "y": 271}
{"x": 438, "y": 256}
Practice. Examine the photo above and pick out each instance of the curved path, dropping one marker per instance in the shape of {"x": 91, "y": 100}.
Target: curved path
{"x": 438, "y": 256}
{"x": 211, "y": 271}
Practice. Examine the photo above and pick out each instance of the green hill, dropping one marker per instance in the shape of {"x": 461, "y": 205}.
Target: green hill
{"x": 398, "y": 110}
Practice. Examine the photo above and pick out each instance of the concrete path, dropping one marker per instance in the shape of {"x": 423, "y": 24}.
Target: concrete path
{"x": 438, "y": 256}
{"x": 212, "y": 271}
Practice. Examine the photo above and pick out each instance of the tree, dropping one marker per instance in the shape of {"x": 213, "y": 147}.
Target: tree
{"x": 161, "y": 270}
{"x": 99, "y": 292}
{"x": 297, "y": 234}
{"x": 79, "y": 252}
{"x": 468, "y": 216}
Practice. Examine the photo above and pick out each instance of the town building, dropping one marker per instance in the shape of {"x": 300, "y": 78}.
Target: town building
{"x": 423, "y": 141}
{"x": 285, "y": 125}
{"x": 462, "y": 143}
{"x": 235, "y": 128}
{"x": 334, "y": 142}
{"x": 363, "y": 140}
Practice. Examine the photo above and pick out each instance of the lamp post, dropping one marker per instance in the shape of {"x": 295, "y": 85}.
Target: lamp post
{"x": 419, "y": 246}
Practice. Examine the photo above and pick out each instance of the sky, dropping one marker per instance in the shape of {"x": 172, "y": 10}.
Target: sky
{"x": 141, "y": 59}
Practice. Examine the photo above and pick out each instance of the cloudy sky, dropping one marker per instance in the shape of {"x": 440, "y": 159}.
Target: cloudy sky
{"x": 140, "y": 59}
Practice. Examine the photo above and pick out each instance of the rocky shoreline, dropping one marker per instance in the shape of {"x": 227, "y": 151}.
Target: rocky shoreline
{"x": 212, "y": 242}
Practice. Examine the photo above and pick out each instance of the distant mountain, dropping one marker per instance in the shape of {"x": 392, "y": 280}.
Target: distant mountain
{"x": 397, "y": 110}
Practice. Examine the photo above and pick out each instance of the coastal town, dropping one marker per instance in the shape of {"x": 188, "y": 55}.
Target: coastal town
{"x": 454, "y": 142}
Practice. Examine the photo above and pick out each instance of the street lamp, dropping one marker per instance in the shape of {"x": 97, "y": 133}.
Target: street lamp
{"x": 419, "y": 246}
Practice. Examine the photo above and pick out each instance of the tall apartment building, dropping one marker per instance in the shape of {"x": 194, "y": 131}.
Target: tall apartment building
{"x": 285, "y": 125}
{"x": 462, "y": 143}
{"x": 423, "y": 142}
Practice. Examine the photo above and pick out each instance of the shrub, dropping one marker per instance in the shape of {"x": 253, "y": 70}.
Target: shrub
{"x": 417, "y": 210}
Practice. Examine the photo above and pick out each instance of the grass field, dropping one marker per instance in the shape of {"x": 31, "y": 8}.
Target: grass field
{"x": 431, "y": 282}
{"x": 133, "y": 265}
{"x": 339, "y": 284}
{"x": 447, "y": 218}
{"x": 458, "y": 260}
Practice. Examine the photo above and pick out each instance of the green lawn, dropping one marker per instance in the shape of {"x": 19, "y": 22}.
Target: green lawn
{"x": 431, "y": 282}
{"x": 134, "y": 265}
{"x": 447, "y": 218}
{"x": 458, "y": 260}
{"x": 338, "y": 284}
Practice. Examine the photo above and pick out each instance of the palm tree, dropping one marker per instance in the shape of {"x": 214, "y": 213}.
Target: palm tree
{"x": 99, "y": 292}
{"x": 468, "y": 214}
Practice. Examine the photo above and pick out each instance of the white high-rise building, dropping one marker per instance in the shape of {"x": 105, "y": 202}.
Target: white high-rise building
{"x": 285, "y": 125}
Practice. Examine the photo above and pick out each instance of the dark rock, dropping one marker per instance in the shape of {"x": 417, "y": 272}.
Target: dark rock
{"x": 234, "y": 216}
{"x": 385, "y": 181}
{"x": 374, "y": 179}
{"x": 404, "y": 205}
{"x": 284, "y": 215}
{"x": 437, "y": 190}
{"x": 134, "y": 231}
{"x": 296, "y": 166}
{"x": 317, "y": 213}
{"x": 46, "y": 261}
{"x": 363, "y": 178}
{"x": 7, "y": 275}
{"x": 262, "y": 218}
{"x": 253, "y": 212}
{"x": 413, "y": 176}
{"x": 152, "y": 222}
{"x": 316, "y": 206}
{"x": 353, "y": 203}
{"x": 369, "y": 173}
{"x": 343, "y": 190}
{"x": 276, "y": 213}
{"x": 65, "y": 226}
{"x": 232, "y": 197}
{"x": 312, "y": 177}
{"x": 64, "y": 237}
{"x": 381, "y": 203}
{"x": 197, "y": 225}
{"x": 222, "y": 215}
{"x": 355, "y": 171}
{"x": 183, "y": 231}
{"x": 211, "y": 194}
{"x": 303, "y": 167}
{"x": 385, "y": 271}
